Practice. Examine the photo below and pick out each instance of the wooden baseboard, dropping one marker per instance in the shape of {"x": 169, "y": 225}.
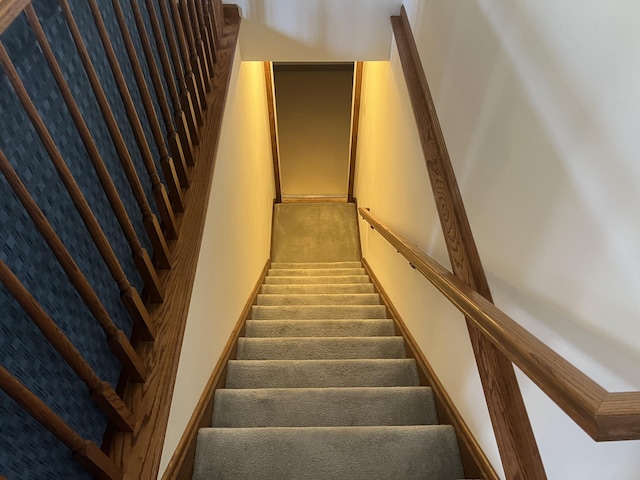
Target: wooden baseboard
{"x": 181, "y": 464}
{"x": 474, "y": 461}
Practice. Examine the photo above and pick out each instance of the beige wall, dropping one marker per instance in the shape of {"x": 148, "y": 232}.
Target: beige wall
{"x": 536, "y": 102}
{"x": 314, "y": 121}
{"x": 236, "y": 241}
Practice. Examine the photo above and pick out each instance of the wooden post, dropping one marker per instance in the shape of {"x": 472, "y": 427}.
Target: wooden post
{"x": 139, "y": 254}
{"x": 128, "y": 293}
{"x": 101, "y": 392}
{"x": 190, "y": 78}
{"x": 188, "y": 107}
{"x": 175, "y": 143}
{"x": 159, "y": 192}
{"x": 116, "y": 339}
{"x": 85, "y": 452}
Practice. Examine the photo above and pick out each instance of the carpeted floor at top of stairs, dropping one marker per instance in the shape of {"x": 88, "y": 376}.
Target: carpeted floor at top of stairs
{"x": 321, "y": 387}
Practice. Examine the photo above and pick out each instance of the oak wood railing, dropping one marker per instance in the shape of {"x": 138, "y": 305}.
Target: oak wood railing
{"x": 603, "y": 415}
{"x": 206, "y": 33}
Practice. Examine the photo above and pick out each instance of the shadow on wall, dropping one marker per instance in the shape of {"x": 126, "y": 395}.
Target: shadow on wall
{"x": 550, "y": 192}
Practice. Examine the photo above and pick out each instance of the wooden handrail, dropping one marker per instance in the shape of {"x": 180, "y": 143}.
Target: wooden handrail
{"x": 101, "y": 392}
{"x": 604, "y": 415}
{"x": 9, "y": 10}
{"x": 86, "y": 452}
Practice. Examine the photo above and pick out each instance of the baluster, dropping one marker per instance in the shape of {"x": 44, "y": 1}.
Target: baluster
{"x": 139, "y": 254}
{"x": 161, "y": 250}
{"x": 218, "y": 18}
{"x": 101, "y": 392}
{"x": 188, "y": 107}
{"x": 196, "y": 64}
{"x": 85, "y": 452}
{"x": 207, "y": 35}
{"x": 116, "y": 338}
{"x": 128, "y": 293}
{"x": 174, "y": 141}
{"x": 203, "y": 57}
{"x": 175, "y": 192}
{"x": 190, "y": 78}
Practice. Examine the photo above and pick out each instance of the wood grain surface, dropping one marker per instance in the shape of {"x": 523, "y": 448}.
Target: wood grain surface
{"x": 273, "y": 128}
{"x": 355, "y": 122}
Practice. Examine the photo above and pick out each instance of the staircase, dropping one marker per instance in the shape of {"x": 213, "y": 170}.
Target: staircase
{"x": 322, "y": 389}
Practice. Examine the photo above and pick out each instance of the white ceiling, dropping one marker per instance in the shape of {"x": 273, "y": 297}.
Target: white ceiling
{"x": 316, "y": 30}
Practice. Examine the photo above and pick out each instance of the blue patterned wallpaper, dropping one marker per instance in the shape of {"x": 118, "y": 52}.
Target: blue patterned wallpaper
{"x": 27, "y": 450}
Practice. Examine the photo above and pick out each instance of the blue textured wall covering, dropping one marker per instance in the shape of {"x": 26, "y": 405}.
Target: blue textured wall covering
{"x": 27, "y": 450}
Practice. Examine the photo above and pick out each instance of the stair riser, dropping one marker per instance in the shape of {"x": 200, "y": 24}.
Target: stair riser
{"x": 321, "y": 373}
{"x": 317, "y": 289}
{"x": 316, "y": 280}
{"x": 314, "y": 272}
{"x": 319, "y": 328}
{"x": 324, "y": 407}
{"x": 326, "y": 265}
{"x": 317, "y": 312}
{"x": 324, "y": 299}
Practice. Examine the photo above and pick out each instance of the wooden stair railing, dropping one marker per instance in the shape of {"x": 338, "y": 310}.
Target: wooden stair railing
{"x": 137, "y": 407}
{"x": 603, "y": 415}
{"x": 518, "y": 449}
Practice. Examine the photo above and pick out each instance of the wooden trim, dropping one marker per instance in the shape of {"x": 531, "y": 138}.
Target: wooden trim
{"x": 313, "y": 67}
{"x": 273, "y": 128}
{"x": 474, "y": 461}
{"x": 85, "y": 452}
{"x": 9, "y": 11}
{"x": 511, "y": 425}
{"x": 181, "y": 463}
{"x": 603, "y": 415}
{"x": 355, "y": 122}
{"x": 139, "y": 454}
{"x": 313, "y": 199}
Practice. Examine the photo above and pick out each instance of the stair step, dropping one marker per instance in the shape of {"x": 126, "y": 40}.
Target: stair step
{"x": 279, "y": 265}
{"x": 317, "y": 289}
{"x": 318, "y": 348}
{"x": 290, "y": 280}
{"x": 319, "y": 328}
{"x": 408, "y": 452}
{"x": 312, "y": 312}
{"x": 321, "y": 373}
{"x": 317, "y": 272}
{"x": 319, "y": 299}
{"x": 324, "y": 407}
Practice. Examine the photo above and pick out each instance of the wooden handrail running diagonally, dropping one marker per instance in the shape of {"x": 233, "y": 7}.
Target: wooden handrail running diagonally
{"x": 604, "y": 415}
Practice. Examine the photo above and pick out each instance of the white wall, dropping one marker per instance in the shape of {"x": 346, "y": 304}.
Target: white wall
{"x": 540, "y": 107}
{"x": 236, "y": 241}
{"x": 316, "y": 30}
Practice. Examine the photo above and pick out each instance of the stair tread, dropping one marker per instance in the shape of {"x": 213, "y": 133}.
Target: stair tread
{"x": 316, "y": 280}
{"x": 308, "y": 312}
{"x": 326, "y": 328}
{"x": 297, "y": 407}
{"x": 338, "y": 299}
{"x": 289, "y": 265}
{"x": 332, "y": 272}
{"x": 327, "y": 288}
{"x": 381, "y": 452}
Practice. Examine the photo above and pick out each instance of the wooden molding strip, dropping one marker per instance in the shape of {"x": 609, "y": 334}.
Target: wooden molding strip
{"x": 139, "y": 453}
{"x": 514, "y": 435}
{"x": 355, "y": 122}
{"x": 475, "y": 463}
{"x": 603, "y": 415}
{"x": 181, "y": 464}
{"x": 273, "y": 127}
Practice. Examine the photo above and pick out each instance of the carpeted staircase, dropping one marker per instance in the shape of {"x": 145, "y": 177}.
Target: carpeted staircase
{"x": 321, "y": 388}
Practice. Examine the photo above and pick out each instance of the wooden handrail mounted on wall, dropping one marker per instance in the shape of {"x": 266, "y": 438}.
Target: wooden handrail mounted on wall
{"x": 516, "y": 443}
{"x": 603, "y": 415}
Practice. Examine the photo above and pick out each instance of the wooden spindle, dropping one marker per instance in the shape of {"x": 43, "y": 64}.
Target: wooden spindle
{"x": 116, "y": 338}
{"x": 171, "y": 179}
{"x": 189, "y": 76}
{"x": 175, "y": 143}
{"x": 206, "y": 34}
{"x": 196, "y": 64}
{"x": 203, "y": 57}
{"x": 218, "y": 17}
{"x": 209, "y": 22}
{"x": 128, "y": 293}
{"x": 85, "y": 452}
{"x": 139, "y": 254}
{"x": 150, "y": 222}
{"x": 101, "y": 392}
{"x": 185, "y": 99}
